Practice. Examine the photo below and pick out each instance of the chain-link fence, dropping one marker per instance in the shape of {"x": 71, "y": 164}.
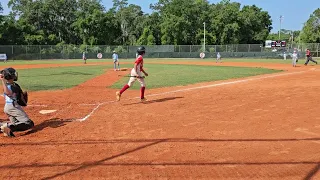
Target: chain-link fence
{"x": 31, "y": 52}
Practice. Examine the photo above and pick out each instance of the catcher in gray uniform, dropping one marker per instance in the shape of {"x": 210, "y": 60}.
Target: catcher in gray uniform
{"x": 14, "y": 99}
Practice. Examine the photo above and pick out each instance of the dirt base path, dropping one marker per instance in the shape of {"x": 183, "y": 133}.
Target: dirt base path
{"x": 262, "y": 127}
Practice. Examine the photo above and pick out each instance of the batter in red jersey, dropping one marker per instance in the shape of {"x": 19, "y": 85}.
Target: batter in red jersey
{"x": 309, "y": 57}
{"x": 136, "y": 74}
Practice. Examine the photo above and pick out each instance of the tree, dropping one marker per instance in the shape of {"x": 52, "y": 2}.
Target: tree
{"x": 224, "y": 22}
{"x": 10, "y": 34}
{"x": 285, "y": 35}
{"x": 181, "y": 20}
{"x": 311, "y": 30}
{"x": 1, "y": 20}
{"x": 90, "y": 21}
{"x": 110, "y": 32}
{"x": 178, "y": 22}
{"x": 152, "y": 22}
{"x": 47, "y": 21}
{"x": 255, "y": 25}
{"x": 129, "y": 17}
{"x": 146, "y": 38}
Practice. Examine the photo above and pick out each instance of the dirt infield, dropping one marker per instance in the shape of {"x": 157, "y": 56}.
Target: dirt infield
{"x": 262, "y": 127}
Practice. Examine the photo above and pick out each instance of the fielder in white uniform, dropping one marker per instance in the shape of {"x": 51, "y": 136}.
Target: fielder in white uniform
{"x": 84, "y": 58}
{"x": 218, "y": 58}
{"x": 115, "y": 58}
{"x": 294, "y": 58}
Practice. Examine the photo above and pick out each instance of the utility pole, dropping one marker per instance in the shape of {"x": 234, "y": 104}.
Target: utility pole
{"x": 292, "y": 37}
{"x": 204, "y": 36}
{"x": 281, "y": 17}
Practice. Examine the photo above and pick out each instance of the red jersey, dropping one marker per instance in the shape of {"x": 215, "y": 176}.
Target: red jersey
{"x": 308, "y": 53}
{"x": 139, "y": 62}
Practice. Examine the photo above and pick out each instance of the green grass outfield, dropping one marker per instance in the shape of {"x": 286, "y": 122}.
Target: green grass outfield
{"x": 153, "y": 60}
{"x": 180, "y": 75}
{"x": 160, "y": 75}
{"x": 57, "y": 77}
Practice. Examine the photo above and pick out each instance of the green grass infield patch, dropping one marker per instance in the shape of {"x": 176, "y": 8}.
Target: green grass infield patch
{"x": 58, "y": 77}
{"x": 160, "y": 75}
{"x": 180, "y": 75}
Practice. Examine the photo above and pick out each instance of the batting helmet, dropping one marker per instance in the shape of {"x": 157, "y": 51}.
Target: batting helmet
{"x": 9, "y": 73}
{"x": 141, "y": 50}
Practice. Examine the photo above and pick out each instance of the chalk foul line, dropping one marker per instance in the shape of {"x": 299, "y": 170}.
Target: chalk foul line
{"x": 190, "y": 89}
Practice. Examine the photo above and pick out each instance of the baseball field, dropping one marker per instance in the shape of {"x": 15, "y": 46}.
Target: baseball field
{"x": 240, "y": 119}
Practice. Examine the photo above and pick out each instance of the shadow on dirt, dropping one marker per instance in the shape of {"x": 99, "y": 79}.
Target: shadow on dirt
{"x": 50, "y": 123}
{"x": 107, "y": 160}
{"x": 155, "y": 101}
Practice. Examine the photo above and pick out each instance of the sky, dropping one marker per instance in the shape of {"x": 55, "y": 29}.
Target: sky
{"x": 295, "y": 12}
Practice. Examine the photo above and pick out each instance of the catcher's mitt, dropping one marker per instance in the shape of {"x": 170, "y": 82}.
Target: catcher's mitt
{"x": 22, "y": 96}
{"x": 23, "y": 99}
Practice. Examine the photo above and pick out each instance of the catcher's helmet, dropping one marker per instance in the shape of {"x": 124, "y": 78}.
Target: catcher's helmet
{"x": 141, "y": 50}
{"x": 10, "y": 73}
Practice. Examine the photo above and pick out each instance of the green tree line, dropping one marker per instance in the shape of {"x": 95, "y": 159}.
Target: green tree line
{"x": 174, "y": 22}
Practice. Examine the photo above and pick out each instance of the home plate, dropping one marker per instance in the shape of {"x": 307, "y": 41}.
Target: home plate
{"x": 47, "y": 111}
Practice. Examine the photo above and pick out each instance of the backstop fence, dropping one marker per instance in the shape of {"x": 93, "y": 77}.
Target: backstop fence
{"x": 35, "y": 52}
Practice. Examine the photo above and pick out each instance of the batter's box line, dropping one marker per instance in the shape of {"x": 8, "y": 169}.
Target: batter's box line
{"x": 193, "y": 88}
{"x": 89, "y": 104}
{"x": 37, "y": 105}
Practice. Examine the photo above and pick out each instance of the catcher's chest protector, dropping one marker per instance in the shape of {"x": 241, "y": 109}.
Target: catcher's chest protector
{"x": 17, "y": 89}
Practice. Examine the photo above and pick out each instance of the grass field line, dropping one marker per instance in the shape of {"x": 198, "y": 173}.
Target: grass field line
{"x": 194, "y": 88}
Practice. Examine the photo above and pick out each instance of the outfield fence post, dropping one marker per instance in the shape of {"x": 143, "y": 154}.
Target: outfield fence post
{"x": 40, "y": 51}
{"x": 127, "y": 51}
{"x": 248, "y": 47}
{"x": 318, "y": 50}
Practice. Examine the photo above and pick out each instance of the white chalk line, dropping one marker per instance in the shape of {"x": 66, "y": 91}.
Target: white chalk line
{"x": 37, "y": 105}
{"x": 193, "y": 88}
{"x": 94, "y": 110}
{"x": 88, "y": 104}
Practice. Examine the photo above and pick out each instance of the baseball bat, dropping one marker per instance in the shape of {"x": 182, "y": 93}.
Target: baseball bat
{"x": 132, "y": 76}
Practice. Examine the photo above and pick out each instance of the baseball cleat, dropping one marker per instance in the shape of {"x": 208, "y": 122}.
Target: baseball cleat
{"x": 143, "y": 99}
{"x": 118, "y": 95}
{"x": 7, "y": 131}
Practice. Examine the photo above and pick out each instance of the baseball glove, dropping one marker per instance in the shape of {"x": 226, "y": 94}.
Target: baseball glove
{"x": 24, "y": 99}
{"x": 22, "y": 96}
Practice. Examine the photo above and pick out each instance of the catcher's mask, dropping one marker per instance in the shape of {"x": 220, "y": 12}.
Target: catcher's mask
{"x": 9, "y": 73}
